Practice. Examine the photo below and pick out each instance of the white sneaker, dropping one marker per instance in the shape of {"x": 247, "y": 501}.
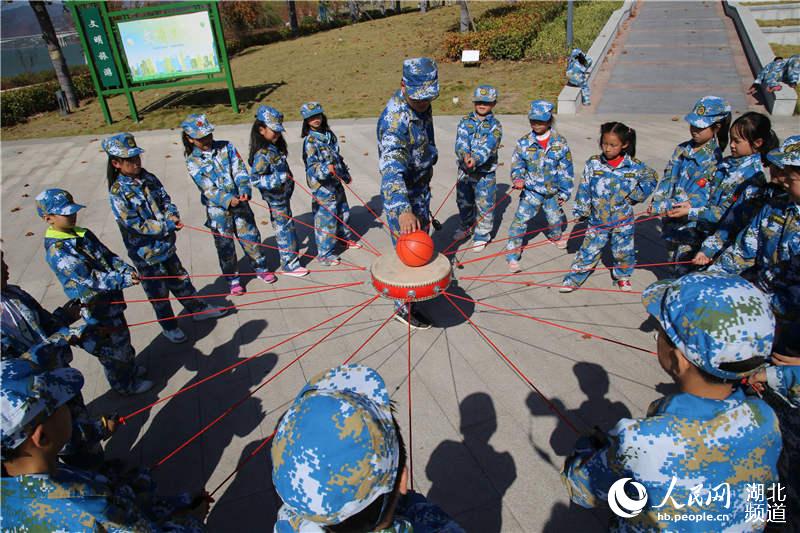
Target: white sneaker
{"x": 298, "y": 272}
{"x": 477, "y": 247}
{"x": 175, "y": 336}
{"x": 460, "y": 235}
{"x": 566, "y": 289}
{"x": 513, "y": 267}
{"x": 218, "y": 312}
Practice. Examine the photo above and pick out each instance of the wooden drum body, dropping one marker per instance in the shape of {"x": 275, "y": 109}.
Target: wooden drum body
{"x": 397, "y": 281}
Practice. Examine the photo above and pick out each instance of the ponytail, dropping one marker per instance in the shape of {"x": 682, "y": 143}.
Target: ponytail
{"x": 188, "y": 147}
{"x": 111, "y": 172}
{"x": 624, "y": 133}
{"x": 723, "y": 131}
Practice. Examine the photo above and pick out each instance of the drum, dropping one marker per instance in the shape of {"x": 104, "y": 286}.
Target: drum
{"x": 396, "y": 281}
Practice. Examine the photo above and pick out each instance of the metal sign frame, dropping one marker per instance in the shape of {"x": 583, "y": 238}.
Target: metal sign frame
{"x": 98, "y": 37}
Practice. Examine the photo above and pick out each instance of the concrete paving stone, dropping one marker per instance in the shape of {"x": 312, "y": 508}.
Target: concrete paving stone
{"x": 592, "y": 381}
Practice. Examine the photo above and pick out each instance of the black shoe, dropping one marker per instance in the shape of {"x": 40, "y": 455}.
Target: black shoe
{"x": 416, "y": 320}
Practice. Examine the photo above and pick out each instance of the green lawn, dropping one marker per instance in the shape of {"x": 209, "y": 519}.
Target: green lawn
{"x": 778, "y": 23}
{"x": 352, "y": 71}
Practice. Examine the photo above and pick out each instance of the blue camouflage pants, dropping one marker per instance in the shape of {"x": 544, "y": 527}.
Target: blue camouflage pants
{"x": 280, "y": 213}
{"x": 110, "y": 341}
{"x": 593, "y": 243}
{"x": 420, "y": 199}
{"x": 682, "y": 244}
{"x": 529, "y": 204}
{"x": 159, "y": 289}
{"x": 329, "y": 201}
{"x": 85, "y": 447}
{"x": 237, "y": 222}
{"x": 475, "y": 197}
{"x": 586, "y": 93}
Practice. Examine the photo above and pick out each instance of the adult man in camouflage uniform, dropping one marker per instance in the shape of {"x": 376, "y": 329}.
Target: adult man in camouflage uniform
{"x": 39, "y": 494}
{"x": 338, "y": 458}
{"x": 698, "y": 451}
{"x": 406, "y": 156}
{"x": 477, "y": 141}
{"x": 221, "y": 176}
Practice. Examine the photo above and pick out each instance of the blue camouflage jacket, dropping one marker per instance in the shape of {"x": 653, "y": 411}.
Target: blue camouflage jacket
{"x": 791, "y": 70}
{"x": 607, "y": 194}
{"x": 80, "y": 500}
{"x": 87, "y": 270}
{"x": 143, "y": 210}
{"x": 320, "y": 150}
{"x": 786, "y": 381}
{"x": 772, "y": 74}
{"x": 41, "y": 336}
{"x": 270, "y": 171}
{"x": 688, "y": 177}
{"x": 546, "y": 172}
{"x": 479, "y": 139}
{"x": 406, "y": 152}
{"x": 220, "y": 174}
{"x": 578, "y": 74}
{"x": 769, "y": 247}
{"x": 692, "y": 455}
{"x": 738, "y": 181}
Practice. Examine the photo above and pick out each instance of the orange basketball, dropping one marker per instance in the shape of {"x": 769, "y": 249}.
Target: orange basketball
{"x": 415, "y": 249}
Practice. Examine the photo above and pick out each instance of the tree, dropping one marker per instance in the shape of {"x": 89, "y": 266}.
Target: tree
{"x": 466, "y": 20}
{"x": 54, "y": 49}
{"x": 292, "y": 16}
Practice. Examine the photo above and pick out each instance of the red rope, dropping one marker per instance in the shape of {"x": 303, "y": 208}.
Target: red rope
{"x": 366, "y": 205}
{"x": 124, "y": 419}
{"x": 549, "y": 323}
{"x": 550, "y": 285}
{"x": 360, "y": 237}
{"x": 299, "y": 254}
{"x": 244, "y": 462}
{"x": 478, "y": 221}
{"x": 516, "y": 369}
{"x": 494, "y": 241}
{"x": 245, "y": 274}
{"x": 218, "y": 295}
{"x": 445, "y": 199}
{"x": 370, "y": 338}
{"x": 410, "y": 430}
{"x": 490, "y": 277}
{"x": 546, "y": 242}
{"x": 239, "y": 402}
{"x": 306, "y": 224}
{"x": 236, "y": 306}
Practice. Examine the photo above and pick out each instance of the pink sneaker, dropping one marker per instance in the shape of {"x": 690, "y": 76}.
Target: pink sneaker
{"x": 353, "y": 245}
{"x": 513, "y": 267}
{"x": 236, "y": 289}
{"x": 561, "y": 243}
{"x": 624, "y": 285}
{"x": 298, "y": 272}
{"x": 267, "y": 277}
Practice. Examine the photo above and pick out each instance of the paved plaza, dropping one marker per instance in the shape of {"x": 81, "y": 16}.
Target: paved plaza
{"x": 485, "y": 446}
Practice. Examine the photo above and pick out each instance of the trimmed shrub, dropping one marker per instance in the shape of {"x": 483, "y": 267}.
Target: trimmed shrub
{"x": 504, "y": 32}
{"x": 18, "y": 104}
{"x": 589, "y": 18}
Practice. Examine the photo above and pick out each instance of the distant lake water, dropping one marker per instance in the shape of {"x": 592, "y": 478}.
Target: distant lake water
{"x": 19, "y": 60}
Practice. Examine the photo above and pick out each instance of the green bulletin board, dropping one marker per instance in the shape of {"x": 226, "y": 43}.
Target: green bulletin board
{"x": 163, "y": 45}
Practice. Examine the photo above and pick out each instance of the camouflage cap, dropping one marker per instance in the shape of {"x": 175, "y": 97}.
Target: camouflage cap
{"x": 311, "y": 109}
{"x": 713, "y": 318}
{"x": 421, "y": 78}
{"x": 485, "y": 93}
{"x": 788, "y": 153}
{"x": 27, "y": 391}
{"x": 336, "y": 449}
{"x": 708, "y": 111}
{"x": 121, "y": 145}
{"x": 197, "y": 126}
{"x": 541, "y": 110}
{"x": 56, "y": 202}
{"x": 271, "y": 117}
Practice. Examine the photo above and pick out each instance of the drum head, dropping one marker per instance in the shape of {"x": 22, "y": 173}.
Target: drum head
{"x": 390, "y": 270}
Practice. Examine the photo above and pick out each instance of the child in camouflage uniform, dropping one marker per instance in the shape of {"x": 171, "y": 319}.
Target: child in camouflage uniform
{"x": 325, "y": 173}
{"x": 219, "y": 173}
{"x": 578, "y": 65}
{"x": 613, "y": 183}
{"x": 271, "y": 175}
{"x": 39, "y": 494}
{"x": 541, "y": 168}
{"x": 699, "y": 451}
{"x": 689, "y": 176}
{"x": 353, "y": 480}
{"x": 739, "y": 187}
{"x": 94, "y": 275}
{"x": 477, "y": 141}
{"x": 148, "y": 220}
